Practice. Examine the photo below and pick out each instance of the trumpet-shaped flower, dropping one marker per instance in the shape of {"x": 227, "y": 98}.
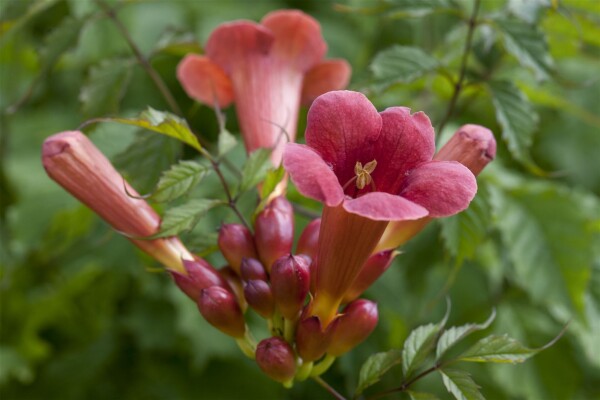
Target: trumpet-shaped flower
{"x": 368, "y": 168}
{"x": 73, "y": 161}
{"x": 267, "y": 69}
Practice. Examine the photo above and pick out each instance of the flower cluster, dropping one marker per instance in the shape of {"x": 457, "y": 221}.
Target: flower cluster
{"x": 376, "y": 174}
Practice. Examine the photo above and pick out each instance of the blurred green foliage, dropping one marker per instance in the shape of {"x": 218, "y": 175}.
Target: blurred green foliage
{"x": 84, "y": 314}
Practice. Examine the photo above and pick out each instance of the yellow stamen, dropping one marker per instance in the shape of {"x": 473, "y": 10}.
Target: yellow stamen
{"x": 363, "y": 174}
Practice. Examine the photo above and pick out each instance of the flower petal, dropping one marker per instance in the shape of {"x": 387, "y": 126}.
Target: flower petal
{"x": 380, "y": 206}
{"x": 324, "y": 77}
{"x": 298, "y": 38}
{"x": 205, "y": 81}
{"x": 442, "y": 187}
{"x": 232, "y": 43}
{"x": 406, "y": 141}
{"x": 311, "y": 175}
{"x": 342, "y": 126}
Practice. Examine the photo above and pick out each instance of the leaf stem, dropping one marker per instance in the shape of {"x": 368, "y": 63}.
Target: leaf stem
{"x": 328, "y": 387}
{"x": 145, "y": 64}
{"x": 404, "y": 387}
{"x": 463, "y": 67}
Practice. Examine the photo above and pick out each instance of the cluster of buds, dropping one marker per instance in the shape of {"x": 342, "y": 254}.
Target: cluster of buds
{"x": 263, "y": 274}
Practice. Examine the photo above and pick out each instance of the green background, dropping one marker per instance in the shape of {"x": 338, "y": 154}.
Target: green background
{"x": 85, "y": 315}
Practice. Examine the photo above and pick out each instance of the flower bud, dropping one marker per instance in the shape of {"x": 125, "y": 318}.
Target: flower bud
{"x": 274, "y": 231}
{"x": 260, "y": 297}
{"x": 473, "y": 146}
{"x": 290, "y": 281}
{"x": 309, "y": 239}
{"x": 235, "y": 285}
{"x": 355, "y": 324}
{"x": 235, "y": 242}
{"x": 73, "y": 161}
{"x": 311, "y": 340}
{"x": 276, "y": 358}
{"x": 200, "y": 275}
{"x": 220, "y": 308}
{"x": 252, "y": 269}
{"x": 375, "y": 266}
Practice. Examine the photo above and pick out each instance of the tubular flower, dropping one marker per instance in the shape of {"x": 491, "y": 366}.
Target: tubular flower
{"x": 368, "y": 168}
{"x": 471, "y": 145}
{"x": 73, "y": 161}
{"x": 267, "y": 69}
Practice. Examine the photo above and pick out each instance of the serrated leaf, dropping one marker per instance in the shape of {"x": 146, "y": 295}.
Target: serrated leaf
{"x": 184, "y": 217}
{"x": 457, "y": 333}
{"x": 463, "y": 233}
{"x": 417, "y": 8}
{"x": 461, "y": 385}
{"x": 528, "y": 45}
{"x": 145, "y": 159}
{"x": 421, "y": 395}
{"x": 162, "y": 122}
{"x": 498, "y": 349}
{"x": 226, "y": 142}
{"x": 274, "y": 176}
{"x": 105, "y": 87}
{"x": 549, "y": 239}
{"x": 375, "y": 367}
{"x": 517, "y": 118}
{"x": 178, "y": 180}
{"x": 401, "y": 64}
{"x": 419, "y": 345}
{"x": 255, "y": 169}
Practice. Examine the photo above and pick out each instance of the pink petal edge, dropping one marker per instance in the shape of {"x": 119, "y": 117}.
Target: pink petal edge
{"x": 205, "y": 81}
{"x": 325, "y": 77}
{"x": 311, "y": 175}
{"x": 380, "y": 206}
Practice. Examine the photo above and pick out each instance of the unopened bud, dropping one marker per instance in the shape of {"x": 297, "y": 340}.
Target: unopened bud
{"x": 235, "y": 284}
{"x": 200, "y": 275}
{"x": 308, "y": 243}
{"x": 311, "y": 340}
{"x": 220, "y": 308}
{"x": 473, "y": 146}
{"x": 375, "y": 266}
{"x": 236, "y": 242}
{"x": 276, "y": 358}
{"x": 290, "y": 281}
{"x": 252, "y": 269}
{"x": 274, "y": 231}
{"x": 260, "y": 297}
{"x": 356, "y": 323}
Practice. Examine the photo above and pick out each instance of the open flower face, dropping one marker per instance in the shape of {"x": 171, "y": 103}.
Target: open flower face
{"x": 368, "y": 168}
{"x": 267, "y": 69}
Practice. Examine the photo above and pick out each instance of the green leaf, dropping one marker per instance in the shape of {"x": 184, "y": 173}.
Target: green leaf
{"x": 527, "y": 10}
{"x": 498, "y": 349}
{"x": 464, "y": 232}
{"x": 255, "y": 169}
{"x": 549, "y": 239}
{"x": 417, "y": 8}
{"x": 178, "y": 180}
{"x": 105, "y": 87}
{"x": 59, "y": 41}
{"x": 401, "y": 64}
{"x": 274, "y": 176}
{"x": 177, "y": 44}
{"x": 457, "y": 333}
{"x": 203, "y": 244}
{"x": 517, "y": 118}
{"x": 374, "y": 368}
{"x": 15, "y": 16}
{"x": 421, "y": 396}
{"x": 145, "y": 159}
{"x": 461, "y": 385}
{"x": 419, "y": 345}
{"x": 184, "y": 217}
{"x": 165, "y": 123}
{"x": 528, "y": 45}
{"x": 226, "y": 142}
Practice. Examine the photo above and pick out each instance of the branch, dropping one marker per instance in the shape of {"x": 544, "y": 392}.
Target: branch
{"x": 463, "y": 67}
{"x": 327, "y": 387}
